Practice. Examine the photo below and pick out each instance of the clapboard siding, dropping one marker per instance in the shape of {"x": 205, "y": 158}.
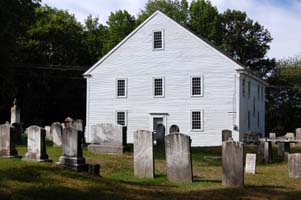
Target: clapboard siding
{"x": 184, "y": 56}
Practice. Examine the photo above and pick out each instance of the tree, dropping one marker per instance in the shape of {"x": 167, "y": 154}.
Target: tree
{"x": 206, "y": 21}
{"x": 247, "y": 41}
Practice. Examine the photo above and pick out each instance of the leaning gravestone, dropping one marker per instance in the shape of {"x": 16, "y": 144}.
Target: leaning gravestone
{"x": 143, "y": 154}
{"x": 36, "y": 147}
{"x": 298, "y": 134}
{"x": 108, "y": 138}
{"x": 226, "y": 135}
{"x": 294, "y": 165}
{"x": 78, "y": 124}
{"x": 267, "y": 152}
{"x": 233, "y": 163}
{"x": 56, "y": 132}
{"x": 178, "y": 157}
{"x": 250, "y": 167}
{"x": 7, "y": 141}
{"x": 48, "y": 133}
{"x": 72, "y": 154}
{"x": 18, "y": 130}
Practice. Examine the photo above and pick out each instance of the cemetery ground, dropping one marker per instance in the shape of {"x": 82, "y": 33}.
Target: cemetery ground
{"x": 29, "y": 180}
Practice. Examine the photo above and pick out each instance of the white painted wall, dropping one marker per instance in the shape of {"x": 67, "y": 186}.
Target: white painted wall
{"x": 184, "y": 56}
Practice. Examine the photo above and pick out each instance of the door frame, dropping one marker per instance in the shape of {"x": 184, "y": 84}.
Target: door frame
{"x": 158, "y": 115}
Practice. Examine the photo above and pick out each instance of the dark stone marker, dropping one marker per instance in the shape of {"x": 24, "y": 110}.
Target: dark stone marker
{"x": 18, "y": 130}
{"x": 36, "y": 147}
{"x": 174, "y": 129}
{"x": 7, "y": 141}
{"x": 178, "y": 158}
{"x": 72, "y": 155}
{"x": 160, "y": 134}
{"x": 226, "y": 135}
{"x": 143, "y": 154}
{"x": 267, "y": 152}
{"x": 233, "y": 164}
{"x": 294, "y": 165}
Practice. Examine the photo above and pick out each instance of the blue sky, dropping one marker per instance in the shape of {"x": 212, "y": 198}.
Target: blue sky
{"x": 281, "y": 17}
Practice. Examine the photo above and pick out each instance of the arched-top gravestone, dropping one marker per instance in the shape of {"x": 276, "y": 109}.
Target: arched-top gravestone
{"x": 7, "y": 141}
{"x": 56, "y": 130}
{"x": 160, "y": 134}
{"x": 108, "y": 138}
{"x": 226, "y": 135}
{"x": 174, "y": 129}
{"x": 178, "y": 157}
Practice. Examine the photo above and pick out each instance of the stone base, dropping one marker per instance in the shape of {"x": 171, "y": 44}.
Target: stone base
{"x": 97, "y": 148}
{"x": 29, "y": 156}
{"x": 6, "y": 153}
{"x": 75, "y": 163}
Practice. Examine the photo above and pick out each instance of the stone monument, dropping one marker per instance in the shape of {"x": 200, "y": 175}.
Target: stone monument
{"x": 15, "y": 113}
{"x": 78, "y": 124}
{"x": 19, "y": 131}
{"x": 294, "y": 165}
{"x": 56, "y": 132}
{"x": 7, "y": 141}
{"x": 68, "y": 122}
{"x": 48, "y": 133}
{"x": 250, "y": 167}
{"x": 298, "y": 134}
{"x": 267, "y": 152}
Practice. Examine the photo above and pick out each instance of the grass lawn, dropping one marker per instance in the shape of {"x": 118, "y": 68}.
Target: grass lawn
{"x": 29, "y": 180}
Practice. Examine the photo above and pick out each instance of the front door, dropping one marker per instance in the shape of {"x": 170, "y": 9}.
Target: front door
{"x": 159, "y": 130}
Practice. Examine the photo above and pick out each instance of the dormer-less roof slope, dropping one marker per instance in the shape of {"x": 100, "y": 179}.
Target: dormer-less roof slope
{"x": 239, "y": 66}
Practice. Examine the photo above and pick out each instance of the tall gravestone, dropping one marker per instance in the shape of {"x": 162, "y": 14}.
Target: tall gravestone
{"x": 48, "y": 133}
{"x": 68, "y": 122}
{"x": 18, "y": 131}
{"x": 7, "y": 141}
{"x": 226, "y": 135}
{"x": 108, "y": 138}
{"x": 267, "y": 152}
{"x": 233, "y": 163}
{"x": 143, "y": 154}
{"x": 298, "y": 134}
{"x": 294, "y": 165}
{"x": 36, "y": 147}
{"x": 15, "y": 113}
{"x": 250, "y": 167}
{"x": 72, "y": 152}
{"x": 56, "y": 132}
{"x": 178, "y": 157}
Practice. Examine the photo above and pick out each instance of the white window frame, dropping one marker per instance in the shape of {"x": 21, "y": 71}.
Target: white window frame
{"x": 202, "y": 121}
{"x": 125, "y": 116}
{"x": 125, "y": 88}
{"x": 163, "y": 39}
{"x": 163, "y": 87}
{"x": 202, "y": 86}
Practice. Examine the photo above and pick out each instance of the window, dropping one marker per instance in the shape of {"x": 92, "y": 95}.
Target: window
{"x": 197, "y": 120}
{"x": 258, "y": 92}
{"x": 262, "y": 93}
{"x": 121, "y": 87}
{"x": 158, "y": 87}
{"x": 249, "y": 122}
{"x": 249, "y": 89}
{"x": 254, "y": 106}
{"x": 121, "y": 118}
{"x": 158, "y": 40}
{"x": 243, "y": 87}
{"x": 258, "y": 120}
{"x": 196, "y": 86}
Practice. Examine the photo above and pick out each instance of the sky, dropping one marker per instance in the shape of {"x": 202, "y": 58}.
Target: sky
{"x": 281, "y": 17}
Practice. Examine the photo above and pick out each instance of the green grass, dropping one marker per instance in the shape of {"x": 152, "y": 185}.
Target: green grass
{"x": 29, "y": 180}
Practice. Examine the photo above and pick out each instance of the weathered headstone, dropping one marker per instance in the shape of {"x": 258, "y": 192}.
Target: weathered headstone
{"x": 294, "y": 165}
{"x": 68, "y": 122}
{"x": 178, "y": 157}
{"x": 18, "y": 130}
{"x": 250, "y": 167}
{"x": 290, "y": 136}
{"x": 108, "y": 138}
{"x": 143, "y": 154}
{"x": 63, "y": 125}
{"x": 280, "y": 149}
{"x": 56, "y": 132}
{"x": 298, "y": 134}
{"x": 260, "y": 147}
{"x": 48, "y": 133}
{"x": 174, "y": 129}
{"x": 226, "y": 135}
{"x": 78, "y": 124}
{"x": 233, "y": 163}
{"x": 72, "y": 152}
{"x": 267, "y": 152}
{"x": 7, "y": 141}
{"x": 36, "y": 147}
{"x": 287, "y": 150}
{"x": 272, "y": 135}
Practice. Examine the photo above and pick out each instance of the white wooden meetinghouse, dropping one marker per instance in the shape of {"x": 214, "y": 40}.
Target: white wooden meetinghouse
{"x": 164, "y": 76}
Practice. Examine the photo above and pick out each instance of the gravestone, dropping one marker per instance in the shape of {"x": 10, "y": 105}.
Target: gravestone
{"x": 72, "y": 152}
{"x": 68, "y": 122}
{"x": 178, "y": 157}
{"x": 226, "y": 135}
{"x": 63, "y": 125}
{"x": 143, "y": 154}
{"x": 280, "y": 150}
{"x": 15, "y": 113}
{"x": 233, "y": 163}
{"x": 7, "y": 141}
{"x": 174, "y": 129}
{"x": 108, "y": 138}
{"x": 298, "y": 134}
{"x": 48, "y": 133}
{"x": 260, "y": 147}
{"x": 18, "y": 130}
{"x": 267, "y": 152}
{"x": 78, "y": 124}
{"x": 36, "y": 147}
{"x": 294, "y": 165}
{"x": 250, "y": 167}
{"x": 272, "y": 135}
{"x": 56, "y": 132}
{"x": 290, "y": 136}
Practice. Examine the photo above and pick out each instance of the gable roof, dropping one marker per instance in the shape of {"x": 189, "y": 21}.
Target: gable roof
{"x": 241, "y": 67}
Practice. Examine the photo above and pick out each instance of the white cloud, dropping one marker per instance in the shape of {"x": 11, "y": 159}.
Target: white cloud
{"x": 281, "y": 19}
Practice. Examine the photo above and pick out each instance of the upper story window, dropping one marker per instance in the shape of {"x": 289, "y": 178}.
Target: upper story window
{"x": 121, "y": 87}
{"x": 158, "y": 38}
{"x": 158, "y": 85}
{"x": 196, "y": 86}
{"x": 258, "y": 92}
{"x": 249, "y": 89}
{"x": 121, "y": 118}
{"x": 197, "y": 120}
{"x": 243, "y": 87}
